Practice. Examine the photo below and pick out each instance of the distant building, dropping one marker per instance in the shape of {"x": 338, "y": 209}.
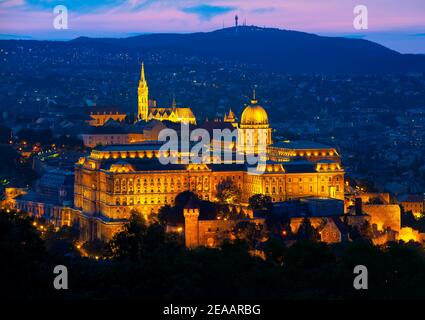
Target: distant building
{"x": 326, "y": 215}
{"x": 208, "y": 232}
{"x": 413, "y": 203}
{"x": 49, "y": 160}
{"x": 100, "y": 115}
{"x": 146, "y": 112}
{"x": 52, "y": 198}
{"x": 107, "y": 135}
{"x": 383, "y": 197}
{"x": 384, "y": 216}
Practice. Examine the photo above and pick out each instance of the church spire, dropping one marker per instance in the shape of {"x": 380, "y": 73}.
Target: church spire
{"x": 142, "y": 73}
{"x": 174, "y": 104}
{"x": 143, "y": 96}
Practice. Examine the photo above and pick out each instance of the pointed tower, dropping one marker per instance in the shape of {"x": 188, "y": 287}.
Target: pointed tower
{"x": 143, "y": 97}
{"x": 174, "y": 104}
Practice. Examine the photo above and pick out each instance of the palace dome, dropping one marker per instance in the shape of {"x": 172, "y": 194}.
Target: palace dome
{"x": 254, "y": 114}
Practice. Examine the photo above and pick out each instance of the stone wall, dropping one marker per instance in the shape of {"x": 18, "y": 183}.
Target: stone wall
{"x": 384, "y": 216}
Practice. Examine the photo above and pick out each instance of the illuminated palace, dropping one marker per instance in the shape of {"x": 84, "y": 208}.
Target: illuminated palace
{"x": 147, "y": 109}
{"x": 116, "y": 179}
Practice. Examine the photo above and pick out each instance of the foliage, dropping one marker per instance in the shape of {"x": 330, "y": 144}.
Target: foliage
{"x": 138, "y": 239}
{"x": 148, "y": 264}
{"x": 278, "y": 224}
{"x": 228, "y": 192}
{"x": 183, "y": 197}
{"x": 62, "y": 241}
{"x": 249, "y": 232}
{"x": 307, "y": 231}
{"x": 409, "y": 220}
{"x": 96, "y": 248}
{"x": 260, "y": 202}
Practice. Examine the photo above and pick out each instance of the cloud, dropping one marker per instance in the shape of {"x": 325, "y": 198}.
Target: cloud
{"x": 78, "y": 5}
{"x": 207, "y": 12}
{"x": 263, "y": 10}
{"x": 11, "y": 3}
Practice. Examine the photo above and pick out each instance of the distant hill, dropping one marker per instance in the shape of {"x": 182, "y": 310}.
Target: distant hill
{"x": 275, "y": 49}
{"x": 265, "y": 48}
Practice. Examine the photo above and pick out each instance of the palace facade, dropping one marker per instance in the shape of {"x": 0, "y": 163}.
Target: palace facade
{"x": 117, "y": 179}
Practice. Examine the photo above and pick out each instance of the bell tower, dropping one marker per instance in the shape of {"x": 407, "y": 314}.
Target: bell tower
{"x": 143, "y": 97}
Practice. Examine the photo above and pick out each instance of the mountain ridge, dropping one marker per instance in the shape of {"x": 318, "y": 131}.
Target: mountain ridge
{"x": 270, "y": 48}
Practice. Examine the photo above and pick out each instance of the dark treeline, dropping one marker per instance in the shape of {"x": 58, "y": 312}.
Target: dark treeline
{"x": 144, "y": 262}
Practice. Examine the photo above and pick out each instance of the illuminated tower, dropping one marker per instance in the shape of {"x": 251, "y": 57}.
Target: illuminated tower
{"x": 191, "y": 224}
{"x": 142, "y": 95}
{"x": 254, "y": 133}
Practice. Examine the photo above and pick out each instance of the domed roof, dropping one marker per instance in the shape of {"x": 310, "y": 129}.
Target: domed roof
{"x": 254, "y": 114}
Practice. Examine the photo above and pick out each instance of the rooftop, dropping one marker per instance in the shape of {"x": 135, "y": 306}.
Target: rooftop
{"x": 300, "y": 145}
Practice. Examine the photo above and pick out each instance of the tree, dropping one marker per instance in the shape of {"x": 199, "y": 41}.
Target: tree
{"x": 183, "y": 197}
{"x": 138, "y": 239}
{"x": 260, "y": 202}
{"x": 164, "y": 214}
{"x": 96, "y": 248}
{"x": 307, "y": 231}
{"x": 228, "y": 192}
{"x": 129, "y": 242}
{"x": 249, "y": 232}
{"x": 62, "y": 241}
{"x": 278, "y": 224}
{"x": 275, "y": 250}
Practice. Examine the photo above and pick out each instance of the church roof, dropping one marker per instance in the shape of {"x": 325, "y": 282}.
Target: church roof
{"x": 184, "y": 113}
{"x": 104, "y": 110}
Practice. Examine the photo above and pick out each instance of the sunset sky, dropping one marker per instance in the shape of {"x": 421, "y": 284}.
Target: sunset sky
{"x": 398, "y": 24}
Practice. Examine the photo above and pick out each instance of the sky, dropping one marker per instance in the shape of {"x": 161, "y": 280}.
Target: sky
{"x": 397, "y": 24}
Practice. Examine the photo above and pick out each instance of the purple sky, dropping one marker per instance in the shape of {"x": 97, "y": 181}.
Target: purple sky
{"x": 398, "y": 24}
